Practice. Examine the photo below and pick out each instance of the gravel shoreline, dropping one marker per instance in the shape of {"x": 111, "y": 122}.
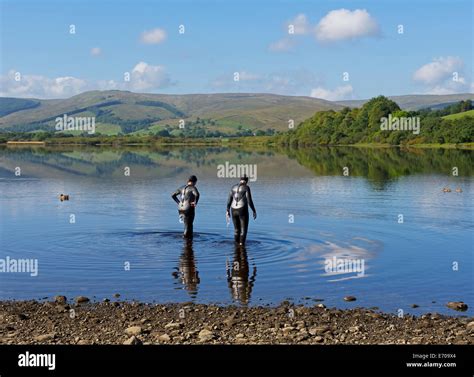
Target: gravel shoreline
{"x": 82, "y": 322}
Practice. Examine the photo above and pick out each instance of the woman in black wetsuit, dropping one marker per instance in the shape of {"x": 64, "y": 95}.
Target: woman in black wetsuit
{"x": 240, "y": 198}
{"x": 189, "y": 197}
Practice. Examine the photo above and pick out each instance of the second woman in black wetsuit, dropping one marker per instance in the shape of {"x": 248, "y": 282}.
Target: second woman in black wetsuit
{"x": 187, "y": 202}
{"x": 240, "y": 198}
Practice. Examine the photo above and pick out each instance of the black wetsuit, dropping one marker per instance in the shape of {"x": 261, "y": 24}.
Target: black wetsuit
{"x": 187, "y": 270}
{"x": 240, "y": 198}
{"x": 188, "y": 194}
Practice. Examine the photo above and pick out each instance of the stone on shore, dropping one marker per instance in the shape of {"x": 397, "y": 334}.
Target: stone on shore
{"x": 205, "y": 335}
{"x": 82, "y": 299}
{"x": 45, "y": 337}
{"x": 457, "y": 305}
{"x": 133, "y": 330}
{"x": 60, "y": 300}
{"x": 165, "y": 338}
{"x": 134, "y": 341}
{"x": 318, "y": 330}
{"x": 470, "y": 326}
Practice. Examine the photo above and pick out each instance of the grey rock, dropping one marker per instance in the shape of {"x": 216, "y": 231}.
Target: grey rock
{"x": 45, "y": 337}
{"x": 60, "y": 300}
{"x": 165, "y": 338}
{"x": 318, "y": 330}
{"x": 133, "y": 330}
{"x": 205, "y": 335}
{"x": 457, "y": 305}
{"x": 350, "y": 298}
{"x": 470, "y": 326}
{"x": 82, "y": 299}
{"x": 134, "y": 341}
{"x": 173, "y": 325}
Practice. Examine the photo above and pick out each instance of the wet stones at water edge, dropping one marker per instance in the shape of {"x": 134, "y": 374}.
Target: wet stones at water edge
{"x": 82, "y": 300}
{"x": 457, "y": 305}
{"x": 62, "y": 300}
{"x": 130, "y": 323}
{"x": 447, "y": 189}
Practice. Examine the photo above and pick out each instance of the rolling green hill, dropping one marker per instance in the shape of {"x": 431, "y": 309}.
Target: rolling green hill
{"x": 143, "y": 113}
{"x": 469, "y": 113}
{"x": 12, "y": 105}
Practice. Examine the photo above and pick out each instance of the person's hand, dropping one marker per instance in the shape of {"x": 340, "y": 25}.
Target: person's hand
{"x": 254, "y": 215}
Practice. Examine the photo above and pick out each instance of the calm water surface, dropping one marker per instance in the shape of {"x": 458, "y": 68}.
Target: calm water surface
{"x": 308, "y": 212}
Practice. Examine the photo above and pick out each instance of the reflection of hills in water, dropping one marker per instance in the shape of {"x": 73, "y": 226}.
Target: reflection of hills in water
{"x": 143, "y": 162}
{"x": 379, "y": 165}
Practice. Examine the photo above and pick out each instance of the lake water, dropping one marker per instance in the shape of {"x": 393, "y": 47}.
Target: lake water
{"x": 126, "y": 237}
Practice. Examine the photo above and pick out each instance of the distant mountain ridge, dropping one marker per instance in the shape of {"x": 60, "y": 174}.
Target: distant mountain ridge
{"x": 417, "y": 101}
{"x": 154, "y": 111}
{"x": 127, "y": 112}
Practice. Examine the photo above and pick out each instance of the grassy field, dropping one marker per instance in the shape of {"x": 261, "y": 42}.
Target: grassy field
{"x": 460, "y": 115}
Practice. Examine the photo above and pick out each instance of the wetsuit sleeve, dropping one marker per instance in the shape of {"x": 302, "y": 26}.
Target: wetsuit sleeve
{"x": 249, "y": 198}
{"x": 229, "y": 201}
{"x": 197, "y": 195}
{"x": 175, "y": 195}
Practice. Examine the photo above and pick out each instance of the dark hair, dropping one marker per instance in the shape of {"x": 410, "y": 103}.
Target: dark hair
{"x": 244, "y": 178}
{"x": 192, "y": 179}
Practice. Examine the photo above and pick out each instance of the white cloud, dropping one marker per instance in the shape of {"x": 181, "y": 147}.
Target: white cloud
{"x": 444, "y": 75}
{"x": 448, "y": 87}
{"x": 248, "y": 76}
{"x": 296, "y": 26}
{"x": 96, "y": 51}
{"x": 339, "y": 93}
{"x": 284, "y": 44}
{"x": 438, "y": 70}
{"x": 299, "y": 25}
{"x": 294, "y": 82}
{"x": 345, "y": 24}
{"x": 441, "y": 90}
{"x": 143, "y": 77}
{"x": 154, "y": 36}
{"x": 40, "y": 86}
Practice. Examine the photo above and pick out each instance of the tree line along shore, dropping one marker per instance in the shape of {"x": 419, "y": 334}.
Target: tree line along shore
{"x": 379, "y": 122}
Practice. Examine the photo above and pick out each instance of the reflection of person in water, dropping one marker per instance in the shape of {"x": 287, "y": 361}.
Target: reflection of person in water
{"x": 187, "y": 271}
{"x": 187, "y": 202}
{"x": 240, "y": 198}
{"x": 238, "y": 276}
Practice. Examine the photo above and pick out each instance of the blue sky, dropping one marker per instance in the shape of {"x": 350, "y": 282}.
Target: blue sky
{"x": 247, "y": 37}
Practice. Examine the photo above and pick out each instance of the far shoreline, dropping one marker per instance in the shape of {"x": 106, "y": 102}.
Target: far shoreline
{"x": 265, "y": 142}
